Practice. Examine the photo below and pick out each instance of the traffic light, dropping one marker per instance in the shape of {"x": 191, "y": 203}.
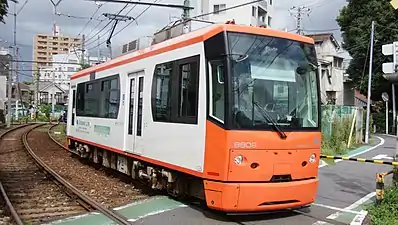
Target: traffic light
{"x": 391, "y": 49}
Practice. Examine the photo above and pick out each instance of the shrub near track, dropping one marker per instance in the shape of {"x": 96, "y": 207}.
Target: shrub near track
{"x": 385, "y": 213}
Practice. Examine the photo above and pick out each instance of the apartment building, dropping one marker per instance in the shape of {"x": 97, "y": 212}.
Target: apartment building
{"x": 45, "y": 46}
{"x": 218, "y": 11}
{"x": 256, "y": 14}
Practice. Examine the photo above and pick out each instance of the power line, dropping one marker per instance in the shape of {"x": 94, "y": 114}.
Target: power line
{"x": 95, "y": 35}
{"x": 26, "y": 1}
{"x": 138, "y": 16}
{"x": 87, "y": 44}
{"x": 194, "y": 17}
{"x": 32, "y": 61}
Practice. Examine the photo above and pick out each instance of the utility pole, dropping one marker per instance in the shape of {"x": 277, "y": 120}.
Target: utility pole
{"x": 116, "y": 18}
{"x": 53, "y": 97}
{"x": 83, "y": 46}
{"x": 9, "y": 65}
{"x": 98, "y": 50}
{"x": 37, "y": 94}
{"x": 369, "y": 83}
{"x": 298, "y": 12}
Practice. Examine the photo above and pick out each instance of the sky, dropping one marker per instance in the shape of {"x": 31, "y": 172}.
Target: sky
{"x": 37, "y": 16}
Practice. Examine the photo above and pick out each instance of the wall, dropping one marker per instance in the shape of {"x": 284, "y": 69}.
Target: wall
{"x": 242, "y": 15}
{"x": 327, "y": 53}
{"x": 3, "y": 85}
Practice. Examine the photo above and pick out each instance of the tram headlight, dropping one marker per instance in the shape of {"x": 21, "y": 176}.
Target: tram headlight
{"x": 312, "y": 158}
{"x": 238, "y": 160}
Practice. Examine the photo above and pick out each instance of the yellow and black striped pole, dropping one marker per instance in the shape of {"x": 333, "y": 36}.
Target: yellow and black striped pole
{"x": 379, "y": 187}
{"x": 360, "y": 160}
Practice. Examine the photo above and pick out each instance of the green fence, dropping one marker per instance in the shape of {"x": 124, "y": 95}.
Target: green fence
{"x": 332, "y": 115}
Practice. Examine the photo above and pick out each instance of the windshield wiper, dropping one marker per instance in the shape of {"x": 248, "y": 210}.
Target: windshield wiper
{"x": 269, "y": 118}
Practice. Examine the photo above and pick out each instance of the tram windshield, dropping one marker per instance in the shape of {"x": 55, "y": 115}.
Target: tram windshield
{"x": 274, "y": 83}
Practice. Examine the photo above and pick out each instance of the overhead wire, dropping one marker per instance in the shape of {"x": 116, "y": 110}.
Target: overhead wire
{"x": 135, "y": 19}
{"x": 87, "y": 44}
{"x": 110, "y": 21}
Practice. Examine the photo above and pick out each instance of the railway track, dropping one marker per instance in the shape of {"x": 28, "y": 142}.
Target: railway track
{"x": 32, "y": 191}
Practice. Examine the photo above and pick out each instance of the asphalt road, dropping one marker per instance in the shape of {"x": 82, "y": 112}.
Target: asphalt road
{"x": 340, "y": 186}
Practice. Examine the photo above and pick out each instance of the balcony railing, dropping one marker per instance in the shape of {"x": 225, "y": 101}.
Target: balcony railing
{"x": 263, "y": 4}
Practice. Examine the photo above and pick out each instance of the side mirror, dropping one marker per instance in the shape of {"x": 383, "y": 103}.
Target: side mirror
{"x": 220, "y": 74}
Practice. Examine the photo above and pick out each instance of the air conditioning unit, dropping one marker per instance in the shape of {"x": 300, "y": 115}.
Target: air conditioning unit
{"x": 134, "y": 45}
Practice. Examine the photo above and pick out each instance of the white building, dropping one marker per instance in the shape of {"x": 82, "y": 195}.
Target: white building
{"x": 256, "y": 14}
{"x": 332, "y": 68}
{"x": 4, "y": 61}
{"x": 64, "y": 66}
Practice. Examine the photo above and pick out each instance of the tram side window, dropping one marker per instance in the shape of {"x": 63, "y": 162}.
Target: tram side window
{"x": 217, "y": 90}
{"x": 98, "y": 98}
{"x": 175, "y": 91}
{"x": 161, "y": 104}
{"x": 111, "y": 97}
{"x": 188, "y": 78}
{"x": 91, "y": 101}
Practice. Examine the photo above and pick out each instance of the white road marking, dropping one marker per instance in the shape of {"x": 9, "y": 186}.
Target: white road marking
{"x": 323, "y": 164}
{"x": 358, "y": 219}
{"x": 361, "y": 201}
{"x": 337, "y": 208}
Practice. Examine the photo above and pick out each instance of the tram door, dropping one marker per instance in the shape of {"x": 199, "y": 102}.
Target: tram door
{"x": 134, "y": 107}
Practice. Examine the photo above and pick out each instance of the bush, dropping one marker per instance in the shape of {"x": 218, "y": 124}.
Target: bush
{"x": 385, "y": 213}
{"x": 336, "y": 143}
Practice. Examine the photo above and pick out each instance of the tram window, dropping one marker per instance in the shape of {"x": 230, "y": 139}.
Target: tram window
{"x": 217, "y": 90}
{"x": 188, "y": 90}
{"x": 175, "y": 91}
{"x": 161, "y": 92}
{"x": 98, "y": 98}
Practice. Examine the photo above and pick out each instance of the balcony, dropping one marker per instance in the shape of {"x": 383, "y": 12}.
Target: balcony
{"x": 263, "y": 4}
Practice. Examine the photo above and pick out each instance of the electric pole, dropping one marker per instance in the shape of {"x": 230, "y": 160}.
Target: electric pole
{"x": 298, "y": 12}
{"x": 9, "y": 91}
{"x": 83, "y": 43}
{"x": 37, "y": 94}
{"x": 98, "y": 50}
{"x": 369, "y": 83}
{"x": 116, "y": 18}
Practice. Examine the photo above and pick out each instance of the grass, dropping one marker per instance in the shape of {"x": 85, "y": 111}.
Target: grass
{"x": 385, "y": 213}
{"x": 58, "y": 133}
{"x": 336, "y": 142}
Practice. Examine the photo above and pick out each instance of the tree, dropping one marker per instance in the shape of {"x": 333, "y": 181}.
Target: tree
{"x": 355, "y": 22}
{"x": 84, "y": 66}
{"x": 4, "y": 9}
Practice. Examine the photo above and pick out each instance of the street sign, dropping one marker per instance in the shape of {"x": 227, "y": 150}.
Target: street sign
{"x": 384, "y": 96}
{"x": 382, "y": 156}
{"x": 390, "y": 49}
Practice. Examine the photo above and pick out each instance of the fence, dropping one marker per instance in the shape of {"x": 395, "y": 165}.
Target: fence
{"x": 335, "y": 117}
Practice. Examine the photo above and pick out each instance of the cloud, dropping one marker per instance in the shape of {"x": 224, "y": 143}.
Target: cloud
{"x": 38, "y": 17}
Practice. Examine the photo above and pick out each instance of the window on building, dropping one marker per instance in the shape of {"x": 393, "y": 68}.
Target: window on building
{"x": 217, "y": 8}
{"x": 270, "y": 2}
{"x": 269, "y": 20}
{"x": 70, "y": 69}
{"x": 254, "y": 11}
{"x": 175, "y": 91}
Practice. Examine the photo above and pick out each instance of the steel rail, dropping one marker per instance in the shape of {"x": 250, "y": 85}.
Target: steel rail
{"x": 111, "y": 214}
{"x": 13, "y": 212}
